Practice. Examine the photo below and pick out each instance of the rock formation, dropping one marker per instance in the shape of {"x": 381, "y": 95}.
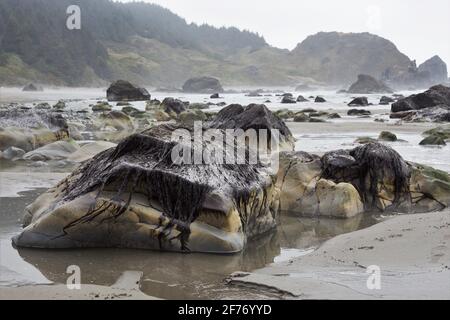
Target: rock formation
{"x": 367, "y": 85}
{"x": 124, "y": 91}
{"x": 203, "y": 85}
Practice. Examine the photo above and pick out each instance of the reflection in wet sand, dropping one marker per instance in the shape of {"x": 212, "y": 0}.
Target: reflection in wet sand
{"x": 192, "y": 276}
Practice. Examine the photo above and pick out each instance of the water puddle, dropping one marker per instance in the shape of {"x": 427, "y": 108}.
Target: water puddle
{"x": 165, "y": 275}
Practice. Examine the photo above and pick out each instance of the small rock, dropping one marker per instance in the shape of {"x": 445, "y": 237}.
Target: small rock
{"x": 387, "y": 136}
{"x": 320, "y": 100}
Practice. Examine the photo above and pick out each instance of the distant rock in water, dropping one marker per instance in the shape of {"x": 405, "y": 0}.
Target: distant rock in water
{"x": 384, "y": 101}
{"x": 124, "y": 91}
{"x": 436, "y": 96}
{"x": 367, "y": 84}
{"x": 436, "y": 69}
{"x": 288, "y": 99}
{"x": 360, "y": 101}
{"x": 32, "y": 87}
{"x": 203, "y": 85}
{"x": 320, "y": 100}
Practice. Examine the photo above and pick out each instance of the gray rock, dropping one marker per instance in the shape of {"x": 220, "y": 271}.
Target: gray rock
{"x": 13, "y": 153}
{"x": 367, "y": 84}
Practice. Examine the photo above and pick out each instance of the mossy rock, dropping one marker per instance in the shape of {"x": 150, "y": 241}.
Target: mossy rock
{"x": 433, "y": 140}
{"x": 387, "y": 136}
{"x": 365, "y": 140}
{"x": 101, "y": 107}
{"x": 301, "y": 117}
{"x": 129, "y": 110}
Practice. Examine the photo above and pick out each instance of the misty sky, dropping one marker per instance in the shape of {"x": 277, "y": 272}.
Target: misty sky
{"x": 419, "y": 28}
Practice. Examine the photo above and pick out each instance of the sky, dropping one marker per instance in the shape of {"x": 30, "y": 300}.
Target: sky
{"x": 419, "y": 28}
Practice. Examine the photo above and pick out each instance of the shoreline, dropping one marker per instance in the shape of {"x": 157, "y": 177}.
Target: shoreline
{"x": 412, "y": 251}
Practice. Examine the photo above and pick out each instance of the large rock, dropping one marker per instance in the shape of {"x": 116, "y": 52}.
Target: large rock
{"x": 367, "y": 84}
{"x": 371, "y": 177}
{"x": 173, "y": 107}
{"x": 125, "y": 91}
{"x": 203, "y": 85}
{"x": 436, "y": 69}
{"x": 435, "y": 96}
{"x": 134, "y": 196}
{"x": 254, "y": 116}
{"x": 117, "y": 120}
{"x": 30, "y": 129}
{"x": 303, "y": 191}
{"x": 360, "y": 101}
{"x": 58, "y": 150}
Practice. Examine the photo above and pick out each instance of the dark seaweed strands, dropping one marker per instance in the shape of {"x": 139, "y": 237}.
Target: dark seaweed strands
{"x": 377, "y": 161}
{"x": 373, "y": 162}
{"x": 142, "y": 163}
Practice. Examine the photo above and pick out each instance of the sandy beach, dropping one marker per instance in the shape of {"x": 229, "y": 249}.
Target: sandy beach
{"x": 412, "y": 252}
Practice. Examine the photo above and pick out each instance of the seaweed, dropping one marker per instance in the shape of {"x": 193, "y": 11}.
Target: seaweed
{"x": 367, "y": 167}
{"x": 142, "y": 164}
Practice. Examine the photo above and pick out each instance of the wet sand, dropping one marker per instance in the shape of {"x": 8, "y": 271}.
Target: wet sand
{"x": 412, "y": 251}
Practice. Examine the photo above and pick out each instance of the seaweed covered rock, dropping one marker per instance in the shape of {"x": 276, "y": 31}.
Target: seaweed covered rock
{"x": 173, "y": 107}
{"x": 371, "y": 177}
{"x": 136, "y": 196}
{"x": 254, "y": 116}
{"x": 303, "y": 191}
{"x": 30, "y": 129}
{"x": 122, "y": 90}
{"x": 117, "y": 120}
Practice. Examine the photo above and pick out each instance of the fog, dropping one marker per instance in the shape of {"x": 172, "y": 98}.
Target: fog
{"x": 420, "y": 29}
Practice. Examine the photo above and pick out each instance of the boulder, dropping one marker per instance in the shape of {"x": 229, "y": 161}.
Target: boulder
{"x": 60, "y": 105}
{"x": 117, "y": 120}
{"x": 203, "y": 85}
{"x": 256, "y": 117}
{"x": 367, "y": 85}
{"x": 173, "y": 107}
{"x": 300, "y": 98}
{"x": 102, "y": 107}
{"x": 30, "y": 129}
{"x": 304, "y": 192}
{"x": 13, "y": 153}
{"x": 387, "y": 136}
{"x": 190, "y": 116}
{"x": 434, "y": 140}
{"x": 436, "y": 96}
{"x": 358, "y": 112}
{"x": 215, "y": 96}
{"x": 125, "y": 91}
{"x": 334, "y": 116}
{"x": 129, "y": 110}
{"x": 384, "y": 101}
{"x": 133, "y": 196}
{"x": 89, "y": 150}
{"x": 320, "y": 100}
{"x": 284, "y": 114}
{"x": 301, "y": 117}
{"x": 54, "y": 151}
{"x": 360, "y": 101}
{"x": 288, "y": 99}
